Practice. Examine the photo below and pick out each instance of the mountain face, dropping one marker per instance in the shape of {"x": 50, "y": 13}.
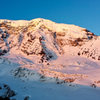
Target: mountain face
{"x": 48, "y": 52}
{"x": 42, "y": 37}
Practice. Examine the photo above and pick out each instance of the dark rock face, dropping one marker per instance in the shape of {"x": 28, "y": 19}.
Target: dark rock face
{"x": 6, "y": 92}
{"x": 89, "y": 53}
{"x": 26, "y": 98}
{"x": 6, "y": 98}
{"x": 3, "y": 44}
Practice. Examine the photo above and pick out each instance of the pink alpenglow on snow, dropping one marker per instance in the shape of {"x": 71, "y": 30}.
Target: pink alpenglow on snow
{"x": 43, "y": 59}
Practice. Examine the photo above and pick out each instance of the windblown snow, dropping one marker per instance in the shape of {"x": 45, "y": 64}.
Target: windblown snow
{"x": 44, "y": 60}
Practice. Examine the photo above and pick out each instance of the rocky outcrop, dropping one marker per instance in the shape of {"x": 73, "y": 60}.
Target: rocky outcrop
{"x": 6, "y": 92}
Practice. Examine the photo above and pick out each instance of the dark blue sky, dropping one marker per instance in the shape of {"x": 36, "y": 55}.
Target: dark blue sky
{"x": 84, "y": 13}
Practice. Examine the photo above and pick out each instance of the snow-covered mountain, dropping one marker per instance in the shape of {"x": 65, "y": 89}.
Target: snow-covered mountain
{"x": 41, "y": 52}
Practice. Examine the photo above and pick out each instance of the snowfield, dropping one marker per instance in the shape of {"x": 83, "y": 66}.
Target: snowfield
{"x": 43, "y": 60}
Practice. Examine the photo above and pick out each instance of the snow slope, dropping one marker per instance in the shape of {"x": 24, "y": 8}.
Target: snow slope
{"x": 43, "y": 59}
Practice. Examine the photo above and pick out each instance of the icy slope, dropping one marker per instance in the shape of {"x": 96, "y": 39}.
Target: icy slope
{"x": 46, "y": 53}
